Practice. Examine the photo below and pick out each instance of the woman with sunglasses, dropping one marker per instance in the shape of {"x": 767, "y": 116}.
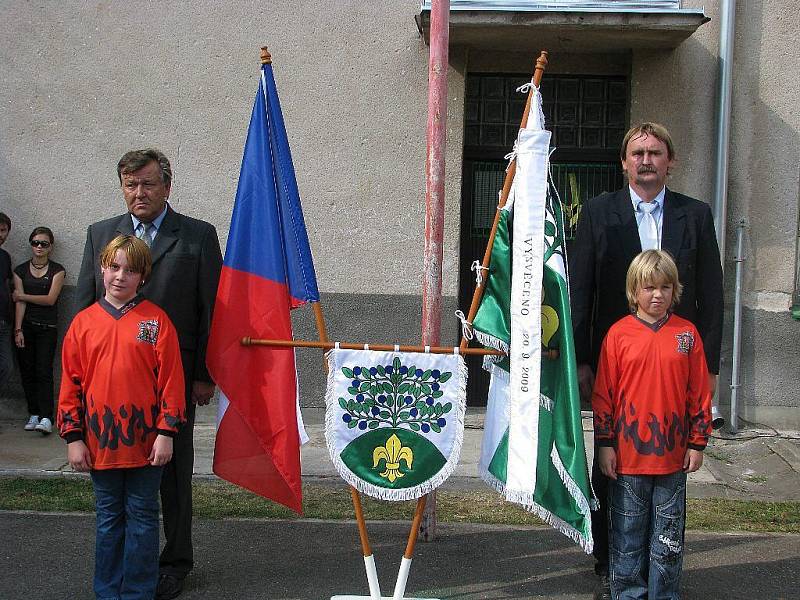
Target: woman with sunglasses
{"x": 37, "y": 285}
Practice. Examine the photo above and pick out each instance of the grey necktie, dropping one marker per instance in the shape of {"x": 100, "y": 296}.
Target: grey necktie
{"x": 648, "y": 228}
{"x": 146, "y": 233}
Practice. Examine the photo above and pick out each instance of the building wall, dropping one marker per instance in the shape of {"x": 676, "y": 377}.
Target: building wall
{"x": 86, "y": 81}
{"x": 679, "y": 88}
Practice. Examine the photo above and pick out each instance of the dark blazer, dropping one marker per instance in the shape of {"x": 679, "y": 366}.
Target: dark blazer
{"x": 186, "y": 267}
{"x": 607, "y": 240}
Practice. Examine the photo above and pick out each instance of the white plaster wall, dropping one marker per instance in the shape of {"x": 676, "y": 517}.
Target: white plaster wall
{"x": 679, "y": 89}
{"x": 766, "y": 161}
{"x": 85, "y": 81}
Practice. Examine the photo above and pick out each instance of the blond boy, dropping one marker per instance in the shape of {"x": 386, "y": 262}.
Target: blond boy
{"x": 652, "y": 418}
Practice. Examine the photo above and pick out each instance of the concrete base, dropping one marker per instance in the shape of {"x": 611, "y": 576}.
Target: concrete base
{"x": 369, "y": 598}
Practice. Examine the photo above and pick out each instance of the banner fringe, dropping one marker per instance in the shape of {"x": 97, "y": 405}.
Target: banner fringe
{"x": 585, "y": 541}
{"x": 493, "y": 342}
{"x": 381, "y": 493}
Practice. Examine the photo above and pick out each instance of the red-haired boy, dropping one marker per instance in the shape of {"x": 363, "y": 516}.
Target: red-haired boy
{"x": 121, "y": 403}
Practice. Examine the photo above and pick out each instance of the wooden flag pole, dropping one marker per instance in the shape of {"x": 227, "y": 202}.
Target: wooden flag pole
{"x": 327, "y": 345}
{"x": 366, "y": 549}
{"x": 541, "y": 63}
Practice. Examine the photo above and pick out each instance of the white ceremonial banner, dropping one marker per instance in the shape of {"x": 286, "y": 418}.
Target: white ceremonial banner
{"x": 395, "y": 420}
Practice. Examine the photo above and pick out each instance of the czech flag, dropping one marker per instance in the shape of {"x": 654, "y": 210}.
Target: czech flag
{"x": 267, "y": 271}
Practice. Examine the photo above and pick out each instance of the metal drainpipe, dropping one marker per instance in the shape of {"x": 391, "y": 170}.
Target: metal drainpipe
{"x": 796, "y": 290}
{"x": 737, "y": 329}
{"x": 720, "y": 204}
{"x": 727, "y": 22}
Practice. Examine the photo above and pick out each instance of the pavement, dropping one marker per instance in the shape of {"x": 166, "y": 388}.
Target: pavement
{"x": 49, "y": 555}
{"x": 762, "y": 464}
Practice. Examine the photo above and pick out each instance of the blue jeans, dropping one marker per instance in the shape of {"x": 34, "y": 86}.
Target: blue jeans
{"x": 647, "y": 515}
{"x": 126, "y": 551}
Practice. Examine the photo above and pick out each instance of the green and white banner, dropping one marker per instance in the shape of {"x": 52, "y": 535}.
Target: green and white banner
{"x": 395, "y": 420}
{"x": 533, "y": 450}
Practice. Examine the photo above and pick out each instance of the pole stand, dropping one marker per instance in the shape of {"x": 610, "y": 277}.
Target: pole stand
{"x": 369, "y": 598}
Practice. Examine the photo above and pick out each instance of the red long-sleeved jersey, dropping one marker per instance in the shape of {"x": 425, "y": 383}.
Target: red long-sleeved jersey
{"x": 651, "y": 399}
{"x": 122, "y": 382}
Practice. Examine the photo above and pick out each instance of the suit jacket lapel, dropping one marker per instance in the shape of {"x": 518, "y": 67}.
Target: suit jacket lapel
{"x": 674, "y": 221}
{"x": 167, "y": 235}
{"x": 125, "y": 225}
{"x": 629, "y": 231}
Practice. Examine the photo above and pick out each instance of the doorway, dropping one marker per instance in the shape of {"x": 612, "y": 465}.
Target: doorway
{"x": 586, "y": 115}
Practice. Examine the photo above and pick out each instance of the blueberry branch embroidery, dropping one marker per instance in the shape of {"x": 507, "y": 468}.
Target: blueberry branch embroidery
{"x": 395, "y": 395}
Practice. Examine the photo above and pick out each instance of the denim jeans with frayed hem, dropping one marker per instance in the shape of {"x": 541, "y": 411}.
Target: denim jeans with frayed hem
{"x": 647, "y": 515}
{"x": 126, "y": 552}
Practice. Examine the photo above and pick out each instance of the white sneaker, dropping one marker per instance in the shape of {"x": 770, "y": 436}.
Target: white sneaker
{"x": 32, "y": 423}
{"x": 45, "y": 426}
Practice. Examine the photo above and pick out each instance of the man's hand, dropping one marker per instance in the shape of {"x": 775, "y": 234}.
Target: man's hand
{"x": 692, "y": 460}
{"x": 78, "y": 456}
{"x": 712, "y": 383}
{"x": 202, "y": 391}
{"x": 161, "y": 453}
{"x": 585, "y": 385}
{"x": 607, "y": 459}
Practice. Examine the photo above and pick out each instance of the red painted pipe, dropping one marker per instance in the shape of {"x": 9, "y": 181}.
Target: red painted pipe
{"x": 434, "y": 205}
{"x": 435, "y": 173}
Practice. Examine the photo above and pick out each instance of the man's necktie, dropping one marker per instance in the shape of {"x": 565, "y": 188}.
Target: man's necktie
{"x": 145, "y": 232}
{"x": 648, "y": 228}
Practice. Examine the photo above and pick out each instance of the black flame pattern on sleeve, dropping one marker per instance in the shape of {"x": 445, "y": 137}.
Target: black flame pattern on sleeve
{"x": 604, "y": 426}
{"x": 72, "y": 420}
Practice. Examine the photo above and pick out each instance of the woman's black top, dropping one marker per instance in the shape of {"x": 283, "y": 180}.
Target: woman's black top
{"x": 39, "y": 286}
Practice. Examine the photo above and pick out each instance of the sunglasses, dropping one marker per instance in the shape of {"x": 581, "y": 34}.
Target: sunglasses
{"x": 40, "y": 243}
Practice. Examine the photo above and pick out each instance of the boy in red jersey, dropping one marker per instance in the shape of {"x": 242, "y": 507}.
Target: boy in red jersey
{"x": 652, "y": 418}
{"x": 121, "y": 402}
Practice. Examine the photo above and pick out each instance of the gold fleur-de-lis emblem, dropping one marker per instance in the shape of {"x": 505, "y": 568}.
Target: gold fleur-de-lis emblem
{"x": 393, "y": 452}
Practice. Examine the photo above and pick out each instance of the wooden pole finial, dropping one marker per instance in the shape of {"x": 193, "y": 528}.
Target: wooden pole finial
{"x": 541, "y": 62}
{"x": 266, "y": 57}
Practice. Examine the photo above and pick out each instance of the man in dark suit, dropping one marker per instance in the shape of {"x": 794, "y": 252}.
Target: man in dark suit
{"x": 612, "y": 229}
{"x": 186, "y": 267}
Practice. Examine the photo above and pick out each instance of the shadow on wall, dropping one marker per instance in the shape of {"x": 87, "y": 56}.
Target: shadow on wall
{"x": 385, "y": 319}
{"x": 12, "y": 399}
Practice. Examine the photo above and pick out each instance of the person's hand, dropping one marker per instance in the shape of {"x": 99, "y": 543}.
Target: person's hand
{"x": 202, "y": 391}
{"x": 607, "y": 459}
{"x": 19, "y": 338}
{"x": 712, "y": 383}
{"x": 692, "y": 460}
{"x": 15, "y": 296}
{"x": 161, "y": 453}
{"x": 585, "y": 385}
{"x": 78, "y": 456}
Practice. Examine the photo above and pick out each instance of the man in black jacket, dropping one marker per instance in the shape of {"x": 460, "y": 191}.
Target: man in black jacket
{"x": 186, "y": 265}
{"x": 612, "y": 229}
